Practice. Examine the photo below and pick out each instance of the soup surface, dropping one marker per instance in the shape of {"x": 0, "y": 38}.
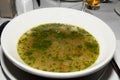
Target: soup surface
{"x": 58, "y": 47}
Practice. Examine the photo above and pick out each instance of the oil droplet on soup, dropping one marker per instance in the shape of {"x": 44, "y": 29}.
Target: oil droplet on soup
{"x": 58, "y": 47}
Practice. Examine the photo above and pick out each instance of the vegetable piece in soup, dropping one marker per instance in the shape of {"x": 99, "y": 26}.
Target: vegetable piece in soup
{"x": 58, "y": 47}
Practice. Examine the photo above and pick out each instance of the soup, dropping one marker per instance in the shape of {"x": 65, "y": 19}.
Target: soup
{"x": 58, "y": 47}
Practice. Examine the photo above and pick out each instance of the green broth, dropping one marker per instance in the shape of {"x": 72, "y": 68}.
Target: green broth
{"x": 58, "y": 47}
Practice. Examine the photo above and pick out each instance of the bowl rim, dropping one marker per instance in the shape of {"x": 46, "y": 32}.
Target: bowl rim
{"x": 55, "y": 74}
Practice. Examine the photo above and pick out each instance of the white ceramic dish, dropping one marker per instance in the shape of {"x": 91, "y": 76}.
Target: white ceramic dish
{"x": 9, "y": 69}
{"x": 100, "y": 30}
{"x": 18, "y": 74}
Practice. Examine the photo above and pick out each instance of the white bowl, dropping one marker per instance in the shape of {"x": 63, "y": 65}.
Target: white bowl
{"x": 20, "y": 24}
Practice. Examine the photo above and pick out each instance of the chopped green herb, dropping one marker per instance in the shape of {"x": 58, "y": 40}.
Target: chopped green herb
{"x": 42, "y": 44}
{"x": 58, "y": 47}
{"x": 79, "y": 46}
